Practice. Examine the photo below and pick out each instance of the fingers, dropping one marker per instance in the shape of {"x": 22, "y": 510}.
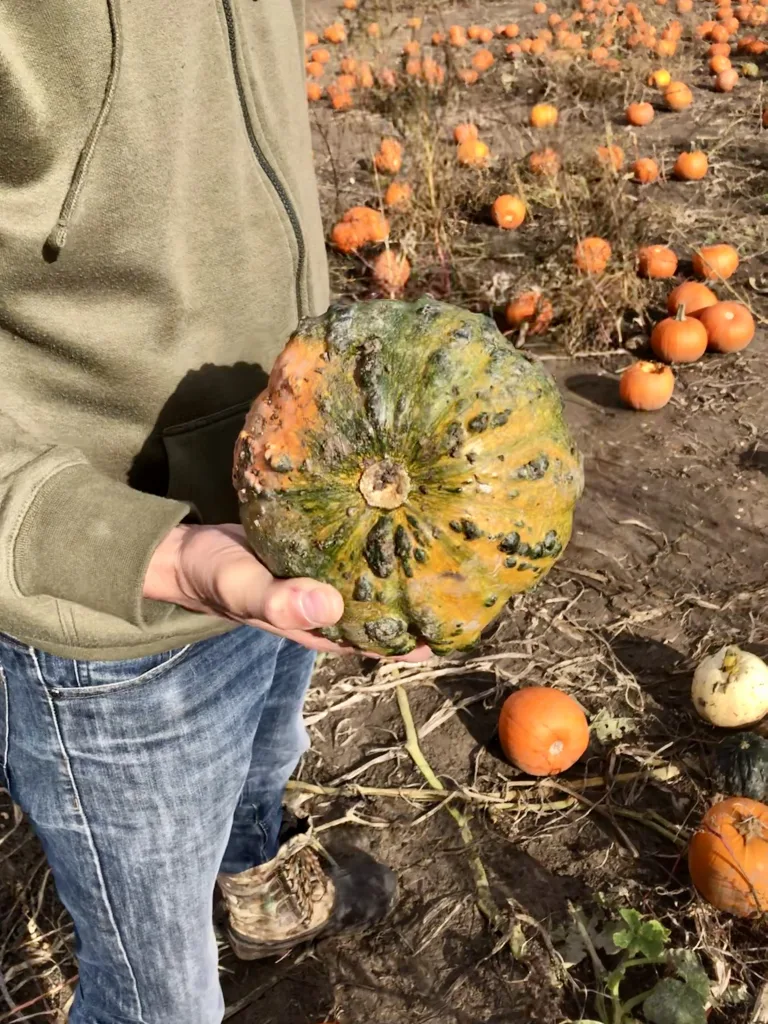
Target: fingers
{"x": 299, "y": 604}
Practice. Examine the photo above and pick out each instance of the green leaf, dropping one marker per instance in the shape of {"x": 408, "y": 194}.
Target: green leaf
{"x": 648, "y": 938}
{"x": 687, "y": 966}
{"x": 674, "y": 1002}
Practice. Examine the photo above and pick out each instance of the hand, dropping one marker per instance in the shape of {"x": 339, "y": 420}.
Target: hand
{"x": 212, "y": 569}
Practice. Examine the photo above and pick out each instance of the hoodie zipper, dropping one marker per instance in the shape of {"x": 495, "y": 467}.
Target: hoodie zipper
{"x": 258, "y": 152}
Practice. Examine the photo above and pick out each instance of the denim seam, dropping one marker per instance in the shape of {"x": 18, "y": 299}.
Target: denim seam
{"x": 7, "y": 738}
{"x": 89, "y": 835}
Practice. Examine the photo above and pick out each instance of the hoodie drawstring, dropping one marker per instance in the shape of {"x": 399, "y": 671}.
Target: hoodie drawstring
{"x": 58, "y": 236}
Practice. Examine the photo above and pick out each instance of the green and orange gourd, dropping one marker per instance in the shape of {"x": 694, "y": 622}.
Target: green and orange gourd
{"x": 408, "y": 455}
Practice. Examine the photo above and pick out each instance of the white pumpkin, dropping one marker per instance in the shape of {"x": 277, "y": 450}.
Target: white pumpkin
{"x": 730, "y": 688}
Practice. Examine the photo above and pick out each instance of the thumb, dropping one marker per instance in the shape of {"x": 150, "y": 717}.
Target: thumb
{"x": 300, "y": 604}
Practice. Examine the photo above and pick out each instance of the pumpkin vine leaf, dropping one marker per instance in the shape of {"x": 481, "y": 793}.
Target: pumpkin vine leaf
{"x": 679, "y": 996}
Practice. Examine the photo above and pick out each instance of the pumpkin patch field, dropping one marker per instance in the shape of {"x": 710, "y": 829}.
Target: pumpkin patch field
{"x": 574, "y": 789}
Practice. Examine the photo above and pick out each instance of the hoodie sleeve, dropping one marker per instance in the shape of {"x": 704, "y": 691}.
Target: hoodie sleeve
{"x": 73, "y": 533}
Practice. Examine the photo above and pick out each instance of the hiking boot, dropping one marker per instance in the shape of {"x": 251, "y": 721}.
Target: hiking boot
{"x": 294, "y": 898}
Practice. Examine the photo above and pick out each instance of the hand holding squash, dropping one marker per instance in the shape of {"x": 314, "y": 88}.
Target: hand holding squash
{"x": 211, "y": 569}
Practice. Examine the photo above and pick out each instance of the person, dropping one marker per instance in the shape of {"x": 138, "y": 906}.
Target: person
{"x": 160, "y": 238}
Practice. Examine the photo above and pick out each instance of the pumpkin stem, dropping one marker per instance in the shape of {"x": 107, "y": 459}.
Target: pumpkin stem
{"x": 385, "y": 485}
{"x": 680, "y": 312}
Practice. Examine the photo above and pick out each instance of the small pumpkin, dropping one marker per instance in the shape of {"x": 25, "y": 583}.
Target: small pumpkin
{"x": 729, "y": 325}
{"x": 610, "y": 156}
{"x": 391, "y": 271}
{"x": 335, "y": 33}
{"x": 640, "y": 114}
{"x": 352, "y": 469}
{"x": 398, "y": 195}
{"x": 656, "y": 261}
{"x": 320, "y": 55}
{"x": 468, "y": 76}
{"x": 542, "y": 731}
{"x": 508, "y": 212}
{"x": 677, "y": 96}
{"x": 463, "y": 132}
{"x": 473, "y": 153}
{"x": 646, "y": 386}
{"x": 720, "y": 50}
{"x": 532, "y": 309}
{"x": 482, "y": 60}
{"x": 310, "y": 39}
{"x": 412, "y": 48}
{"x": 315, "y": 69}
{"x": 727, "y": 80}
{"x": 679, "y": 339}
{"x": 457, "y": 36}
{"x": 741, "y": 766}
{"x": 645, "y": 170}
{"x": 543, "y": 115}
{"x": 660, "y": 78}
{"x": 592, "y": 255}
{"x": 728, "y": 856}
{"x": 713, "y": 262}
{"x": 691, "y": 294}
{"x": 314, "y": 91}
{"x": 719, "y": 63}
{"x": 544, "y": 161}
{"x": 691, "y": 165}
{"x": 360, "y": 226}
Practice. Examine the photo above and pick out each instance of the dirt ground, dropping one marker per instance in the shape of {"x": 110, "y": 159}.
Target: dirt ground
{"x": 667, "y": 562}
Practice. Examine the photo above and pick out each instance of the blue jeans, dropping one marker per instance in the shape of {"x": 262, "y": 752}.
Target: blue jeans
{"x": 144, "y": 779}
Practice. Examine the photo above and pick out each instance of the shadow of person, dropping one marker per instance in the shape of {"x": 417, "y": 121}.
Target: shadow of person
{"x": 595, "y": 388}
{"x": 188, "y": 453}
{"x": 755, "y": 458}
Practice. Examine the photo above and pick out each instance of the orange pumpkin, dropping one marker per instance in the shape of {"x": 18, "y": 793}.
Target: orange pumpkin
{"x": 468, "y": 75}
{"x": 348, "y": 65}
{"x": 457, "y": 36}
{"x": 365, "y": 76}
{"x": 543, "y": 115}
{"x": 713, "y": 262}
{"x": 398, "y": 194}
{"x": 314, "y": 91}
{"x": 592, "y": 255}
{"x": 542, "y": 731}
{"x": 640, "y": 114}
{"x": 511, "y": 31}
{"x": 508, "y": 212}
{"x": 412, "y": 48}
{"x": 679, "y": 339}
{"x": 544, "y": 161}
{"x": 719, "y": 50}
{"x": 728, "y": 856}
{"x": 692, "y": 165}
{"x": 677, "y": 96}
{"x": 315, "y": 69}
{"x": 320, "y": 55}
{"x": 646, "y": 386}
{"x": 335, "y": 33}
{"x": 438, "y": 38}
{"x": 360, "y": 225}
{"x": 414, "y": 23}
{"x": 532, "y": 309}
{"x": 719, "y": 63}
{"x": 611, "y": 157}
{"x": 389, "y": 158}
{"x": 472, "y": 153}
{"x": 340, "y": 98}
{"x": 539, "y": 7}
{"x": 726, "y": 81}
{"x": 729, "y": 325}
{"x": 482, "y": 60}
{"x": 656, "y": 261}
{"x": 310, "y": 39}
{"x": 463, "y": 132}
{"x": 391, "y": 271}
{"x": 692, "y": 295}
{"x": 645, "y": 170}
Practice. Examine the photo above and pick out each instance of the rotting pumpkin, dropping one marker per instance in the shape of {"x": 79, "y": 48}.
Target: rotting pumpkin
{"x": 428, "y": 506}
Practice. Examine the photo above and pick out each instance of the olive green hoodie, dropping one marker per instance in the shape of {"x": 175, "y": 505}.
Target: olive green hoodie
{"x": 159, "y": 239}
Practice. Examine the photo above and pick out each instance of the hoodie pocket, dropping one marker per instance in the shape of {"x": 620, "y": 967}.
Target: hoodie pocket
{"x": 199, "y": 455}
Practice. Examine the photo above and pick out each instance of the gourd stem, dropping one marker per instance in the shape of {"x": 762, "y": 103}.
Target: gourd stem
{"x": 680, "y": 312}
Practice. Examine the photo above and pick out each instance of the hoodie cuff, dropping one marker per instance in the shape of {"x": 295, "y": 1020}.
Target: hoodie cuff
{"x": 89, "y": 539}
